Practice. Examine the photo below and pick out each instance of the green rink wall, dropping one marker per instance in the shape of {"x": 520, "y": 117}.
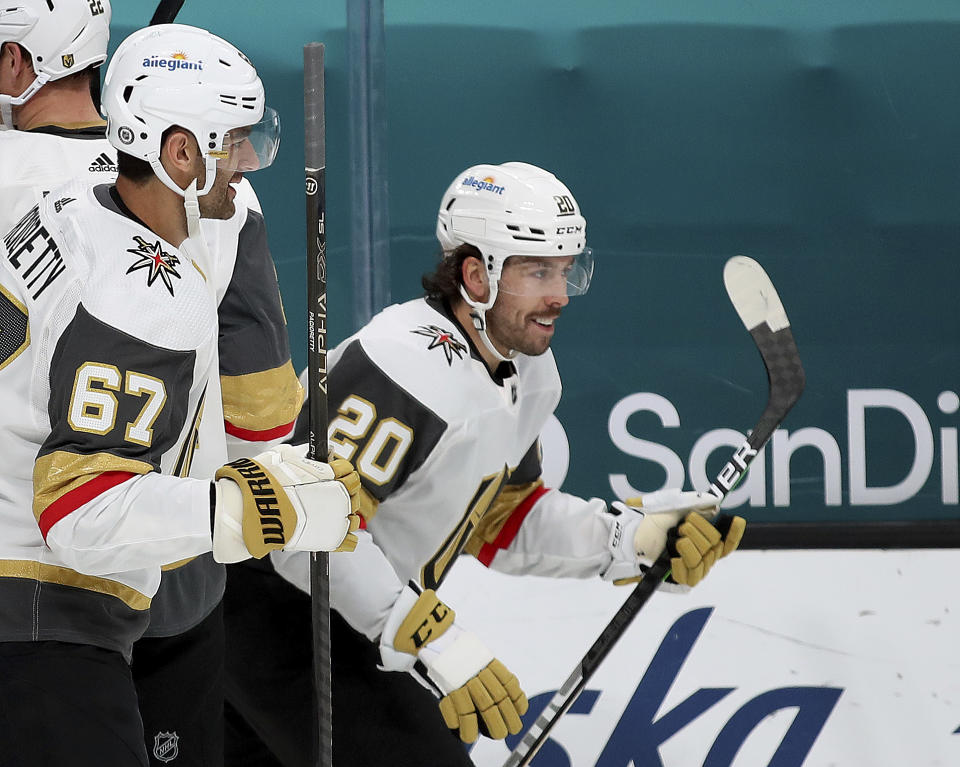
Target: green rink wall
{"x": 824, "y": 141}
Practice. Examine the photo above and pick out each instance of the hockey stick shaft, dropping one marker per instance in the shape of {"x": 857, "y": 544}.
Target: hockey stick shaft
{"x": 166, "y": 12}
{"x": 314, "y": 125}
{"x": 759, "y": 307}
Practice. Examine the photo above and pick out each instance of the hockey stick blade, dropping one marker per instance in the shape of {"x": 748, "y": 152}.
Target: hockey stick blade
{"x": 166, "y": 12}
{"x": 754, "y": 297}
{"x": 757, "y": 303}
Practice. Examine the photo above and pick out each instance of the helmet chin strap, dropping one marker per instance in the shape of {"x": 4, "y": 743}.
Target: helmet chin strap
{"x": 196, "y": 245}
{"x": 479, "y": 317}
{"x": 7, "y": 103}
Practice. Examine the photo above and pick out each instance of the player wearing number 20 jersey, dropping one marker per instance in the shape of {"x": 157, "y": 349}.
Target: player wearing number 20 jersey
{"x": 439, "y": 404}
{"x": 419, "y": 447}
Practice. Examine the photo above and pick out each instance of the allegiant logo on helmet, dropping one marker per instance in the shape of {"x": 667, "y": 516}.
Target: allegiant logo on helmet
{"x": 483, "y": 184}
{"x": 174, "y": 62}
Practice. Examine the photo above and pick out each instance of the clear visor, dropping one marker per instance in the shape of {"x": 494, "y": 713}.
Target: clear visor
{"x": 251, "y": 147}
{"x": 547, "y": 275}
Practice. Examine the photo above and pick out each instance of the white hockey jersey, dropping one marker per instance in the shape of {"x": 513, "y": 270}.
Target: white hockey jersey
{"x": 104, "y": 385}
{"x": 448, "y": 456}
{"x": 260, "y": 393}
{"x": 34, "y": 162}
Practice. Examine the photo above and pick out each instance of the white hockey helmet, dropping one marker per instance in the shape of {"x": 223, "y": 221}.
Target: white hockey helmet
{"x": 514, "y": 209}
{"x": 62, "y": 37}
{"x": 177, "y": 75}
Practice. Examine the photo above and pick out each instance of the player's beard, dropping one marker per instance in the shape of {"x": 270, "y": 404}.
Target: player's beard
{"x": 512, "y": 327}
{"x": 218, "y": 202}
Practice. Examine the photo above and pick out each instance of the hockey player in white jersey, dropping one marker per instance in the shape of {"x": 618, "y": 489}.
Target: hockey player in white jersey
{"x": 50, "y": 54}
{"x": 439, "y": 403}
{"x": 112, "y": 431}
{"x": 49, "y": 57}
{"x": 177, "y": 665}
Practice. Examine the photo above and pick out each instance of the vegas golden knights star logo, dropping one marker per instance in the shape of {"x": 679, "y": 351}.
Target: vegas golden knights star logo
{"x": 156, "y": 260}
{"x": 443, "y": 339}
{"x": 67, "y": 60}
{"x": 165, "y": 746}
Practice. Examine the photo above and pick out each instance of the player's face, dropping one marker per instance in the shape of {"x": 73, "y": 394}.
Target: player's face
{"x": 218, "y": 202}
{"x": 7, "y": 86}
{"x": 523, "y": 320}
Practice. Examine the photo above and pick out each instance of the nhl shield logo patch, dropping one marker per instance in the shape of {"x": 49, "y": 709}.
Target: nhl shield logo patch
{"x": 165, "y": 747}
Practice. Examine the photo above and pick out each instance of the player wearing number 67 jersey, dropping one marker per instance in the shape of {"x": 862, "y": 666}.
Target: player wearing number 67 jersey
{"x": 112, "y": 431}
{"x": 439, "y": 403}
{"x": 56, "y": 135}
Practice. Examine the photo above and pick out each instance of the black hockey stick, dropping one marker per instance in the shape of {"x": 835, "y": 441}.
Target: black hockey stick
{"x": 166, "y": 12}
{"x": 756, "y": 301}
{"x": 315, "y": 147}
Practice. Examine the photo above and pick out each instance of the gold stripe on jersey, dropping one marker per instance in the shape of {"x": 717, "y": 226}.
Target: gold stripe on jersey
{"x": 368, "y": 504}
{"x": 490, "y": 525}
{"x": 56, "y": 474}
{"x": 434, "y": 571}
{"x": 74, "y": 126}
{"x": 178, "y": 564}
{"x": 264, "y": 400}
{"x": 182, "y": 467}
{"x": 199, "y": 270}
{"x": 64, "y": 576}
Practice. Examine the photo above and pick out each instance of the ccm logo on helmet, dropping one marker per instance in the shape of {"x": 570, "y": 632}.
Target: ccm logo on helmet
{"x": 569, "y": 229}
{"x": 176, "y": 61}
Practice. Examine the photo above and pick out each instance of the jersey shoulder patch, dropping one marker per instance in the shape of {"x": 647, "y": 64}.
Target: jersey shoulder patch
{"x": 414, "y": 332}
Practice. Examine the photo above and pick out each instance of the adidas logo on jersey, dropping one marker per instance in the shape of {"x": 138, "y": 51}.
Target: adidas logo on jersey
{"x": 103, "y": 164}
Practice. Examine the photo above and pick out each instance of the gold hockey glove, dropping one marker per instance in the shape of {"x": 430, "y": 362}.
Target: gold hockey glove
{"x": 643, "y": 527}
{"x": 478, "y": 695}
{"x": 282, "y": 500}
{"x": 698, "y": 545}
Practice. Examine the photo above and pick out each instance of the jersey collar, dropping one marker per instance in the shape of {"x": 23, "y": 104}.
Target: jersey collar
{"x": 73, "y": 131}
{"x": 503, "y": 372}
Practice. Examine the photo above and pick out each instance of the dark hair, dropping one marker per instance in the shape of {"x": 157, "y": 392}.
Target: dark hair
{"x": 444, "y": 281}
{"x": 135, "y": 169}
{"x": 89, "y": 74}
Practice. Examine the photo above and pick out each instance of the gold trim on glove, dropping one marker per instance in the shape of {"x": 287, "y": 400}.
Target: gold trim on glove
{"x": 268, "y": 515}
{"x": 495, "y": 695}
{"x": 428, "y": 619}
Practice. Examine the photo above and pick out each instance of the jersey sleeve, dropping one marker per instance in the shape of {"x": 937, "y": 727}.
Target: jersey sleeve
{"x": 381, "y": 428}
{"x": 261, "y": 393}
{"x": 533, "y": 530}
{"x": 363, "y": 585}
{"x": 387, "y": 434}
{"x": 117, "y": 408}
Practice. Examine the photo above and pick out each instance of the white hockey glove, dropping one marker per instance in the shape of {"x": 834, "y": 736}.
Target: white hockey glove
{"x": 673, "y": 520}
{"x": 282, "y": 500}
{"x": 478, "y": 695}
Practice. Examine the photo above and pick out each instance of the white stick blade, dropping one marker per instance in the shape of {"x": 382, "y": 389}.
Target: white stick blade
{"x": 753, "y": 295}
